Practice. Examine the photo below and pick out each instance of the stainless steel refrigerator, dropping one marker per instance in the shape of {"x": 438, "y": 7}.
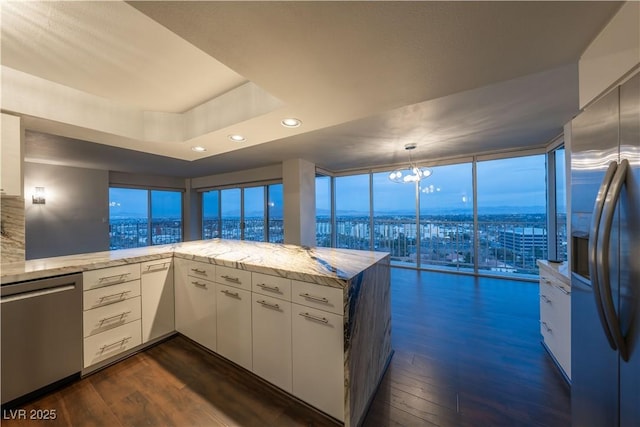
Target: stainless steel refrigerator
{"x": 605, "y": 260}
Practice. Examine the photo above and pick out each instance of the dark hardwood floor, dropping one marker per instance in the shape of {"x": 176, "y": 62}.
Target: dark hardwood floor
{"x": 467, "y": 353}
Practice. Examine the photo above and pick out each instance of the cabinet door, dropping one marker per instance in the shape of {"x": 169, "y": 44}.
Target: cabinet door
{"x": 196, "y": 310}
{"x": 272, "y": 340}
{"x": 233, "y": 322}
{"x": 318, "y": 359}
{"x": 11, "y": 156}
{"x": 158, "y": 312}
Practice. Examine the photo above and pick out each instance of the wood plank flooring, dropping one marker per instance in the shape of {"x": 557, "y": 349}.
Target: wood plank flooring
{"x": 467, "y": 353}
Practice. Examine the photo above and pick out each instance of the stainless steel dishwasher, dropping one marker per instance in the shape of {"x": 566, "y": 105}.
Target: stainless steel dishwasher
{"x": 41, "y": 334}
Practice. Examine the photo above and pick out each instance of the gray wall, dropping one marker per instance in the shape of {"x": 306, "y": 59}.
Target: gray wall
{"x": 75, "y": 218}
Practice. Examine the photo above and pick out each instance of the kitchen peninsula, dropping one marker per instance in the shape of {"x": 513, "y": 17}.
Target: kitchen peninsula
{"x": 343, "y": 296}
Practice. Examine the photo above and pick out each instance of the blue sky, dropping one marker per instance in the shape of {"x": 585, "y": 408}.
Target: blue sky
{"x": 516, "y": 183}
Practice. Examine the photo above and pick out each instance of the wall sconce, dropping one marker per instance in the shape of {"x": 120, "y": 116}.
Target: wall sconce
{"x": 38, "y": 196}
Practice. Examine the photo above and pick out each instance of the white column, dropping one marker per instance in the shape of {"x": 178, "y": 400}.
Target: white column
{"x": 299, "y": 187}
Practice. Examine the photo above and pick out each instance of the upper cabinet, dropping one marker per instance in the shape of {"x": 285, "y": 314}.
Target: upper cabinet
{"x": 11, "y": 156}
{"x": 614, "y": 53}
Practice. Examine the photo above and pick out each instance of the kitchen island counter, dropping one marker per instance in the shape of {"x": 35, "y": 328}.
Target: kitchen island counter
{"x": 363, "y": 278}
{"x": 326, "y": 266}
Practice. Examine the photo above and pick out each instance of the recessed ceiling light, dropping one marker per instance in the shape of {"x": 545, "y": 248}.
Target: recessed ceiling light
{"x": 237, "y": 138}
{"x": 291, "y": 122}
{"x": 199, "y": 149}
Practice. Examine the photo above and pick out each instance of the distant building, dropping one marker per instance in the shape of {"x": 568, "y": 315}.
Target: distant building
{"x": 524, "y": 240}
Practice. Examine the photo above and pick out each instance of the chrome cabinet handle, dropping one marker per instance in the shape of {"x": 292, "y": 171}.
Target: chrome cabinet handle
{"x": 161, "y": 265}
{"x": 231, "y": 279}
{"x": 115, "y": 276}
{"x": 594, "y": 251}
{"x": 121, "y": 342}
{"x": 269, "y": 288}
{"x": 268, "y": 304}
{"x": 120, "y": 295}
{"x": 200, "y": 285}
{"x": 315, "y": 298}
{"x": 231, "y": 294}
{"x": 546, "y": 327}
{"x": 197, "y": 270}
{"x": 604, "y": 243}
{"x": 316, "y": 318}
{"x": 545, "y": 298}
{"x": 116, "y": 316}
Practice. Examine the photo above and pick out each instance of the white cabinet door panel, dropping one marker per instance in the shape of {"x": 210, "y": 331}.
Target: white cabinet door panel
{"x": 233, "y": 324}
{"x": 318, "y": 359}
{"x": 158, "y": 301}
{"x": 272, "y": 340}
{"x": 196, "y": 310}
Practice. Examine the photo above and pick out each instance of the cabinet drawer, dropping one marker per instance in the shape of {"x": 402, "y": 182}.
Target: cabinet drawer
{"x": 111, "y": 316}
{"x": 233, "y": 277}
{"x": 277, "y": 287}
{"x": 201, "y": 270}
{"x": 318, "y": 296}
{"x": 110, "y": 276}
{"x": 110, "y": 294}
{"x": 112, "y": 342}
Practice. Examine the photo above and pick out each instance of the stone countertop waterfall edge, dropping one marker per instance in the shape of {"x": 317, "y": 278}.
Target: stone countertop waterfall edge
{"x": 324, "y": 266}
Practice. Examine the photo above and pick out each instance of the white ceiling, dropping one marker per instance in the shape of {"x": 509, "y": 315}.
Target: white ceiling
{"x": 458, "y": 78}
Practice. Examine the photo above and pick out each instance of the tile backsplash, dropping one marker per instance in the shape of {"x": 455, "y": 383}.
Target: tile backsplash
{"x": 12, "y": 235}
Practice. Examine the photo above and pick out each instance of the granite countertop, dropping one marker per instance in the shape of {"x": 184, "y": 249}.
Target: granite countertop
{"x": 557, "y": 270}
{"x": 325, "y": 266}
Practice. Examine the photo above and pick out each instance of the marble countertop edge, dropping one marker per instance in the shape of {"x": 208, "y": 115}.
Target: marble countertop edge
{"x": 324, "y": 266}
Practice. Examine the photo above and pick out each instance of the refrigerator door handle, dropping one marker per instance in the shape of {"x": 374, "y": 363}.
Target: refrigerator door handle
{"x": 604, "y": 244}
{"x": 593, "y": 250}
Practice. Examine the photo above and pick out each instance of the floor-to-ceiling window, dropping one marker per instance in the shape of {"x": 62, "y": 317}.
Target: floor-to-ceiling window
{"x": 324, "y": 222}
{"x": 275, "y": 213}
{"x": 512, "y": 229}
{"x": 438, "y": 223}
{"x": 254, "y": 214}
{"x": 211, "y": 214}
{"x": 557, "y": 203}
{"x": 446, "y": 218}
{"x": 141, "y": 217}
{"x": 394, "y": 219}
{"x": 353, "y": 211}
{"x": 251, "y": 212}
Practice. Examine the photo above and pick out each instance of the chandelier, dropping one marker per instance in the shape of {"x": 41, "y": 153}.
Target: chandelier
{"x": 411, "y": 173}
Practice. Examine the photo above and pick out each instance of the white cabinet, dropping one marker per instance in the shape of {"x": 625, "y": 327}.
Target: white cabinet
{"x": 196, "y": 301}
{"x": 555, "y": 315}
{"x": 11, "y": 156}
{"x": 111, "y": 312}
{"x": 271, "y": 332}
{"x": 233, "y": 324}
{"x": 158, "y": 302}
{"x": 317, "y": 350}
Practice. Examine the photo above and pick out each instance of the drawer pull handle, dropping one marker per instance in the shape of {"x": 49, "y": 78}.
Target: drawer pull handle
{"x": 197, "y": 270}
{"x": 117, "y": 316}
{"x": 566, "y": 292}
{"x": 120, "y": 343}
{"x": 316, "y": 318}
{"x": 160, "y": 265}
{"x": 269, "y": 288}
{"x": 315, "y": 298}
{"x": 545, "y": 298}
{"x": 115, "y": 276}
{"x": 267, "y": 304}
{"x": 231, "y": 279}
{"x": 546, "y": 326}
{"x": 231, "y": 294}
{"x": 200, "y": 285}
{"x": 119, "y": 295}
